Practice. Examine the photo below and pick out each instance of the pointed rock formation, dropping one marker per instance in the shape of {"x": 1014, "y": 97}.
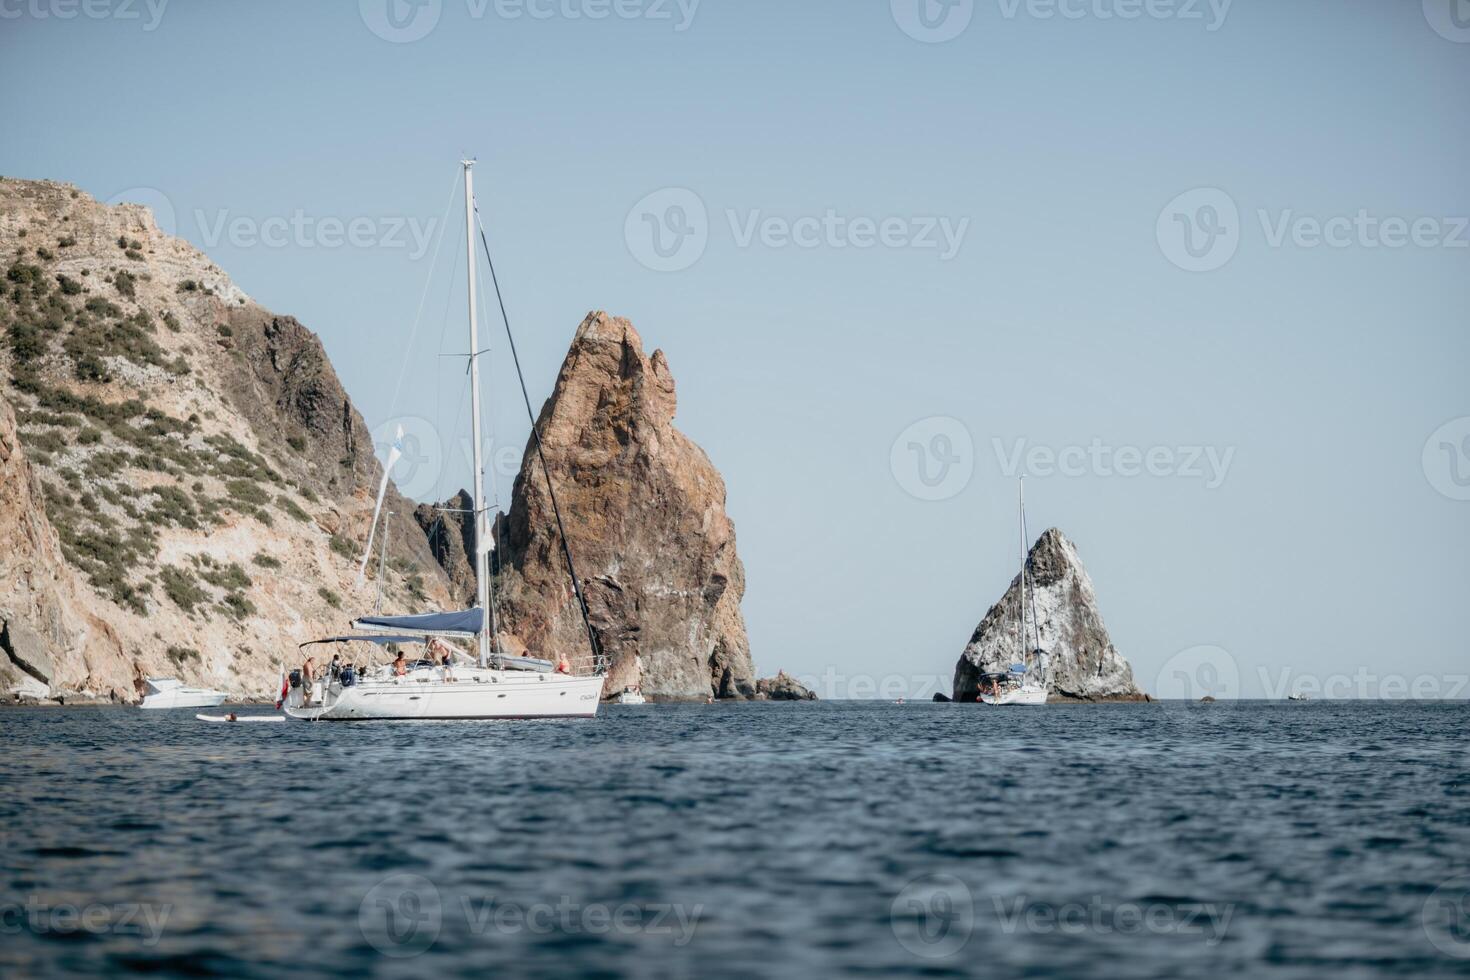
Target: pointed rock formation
{"x": 451, "y": 534}
{"x": 645, "y": 514}
{"x": 1084, "y": 666}
{"x": 783, "y": 687}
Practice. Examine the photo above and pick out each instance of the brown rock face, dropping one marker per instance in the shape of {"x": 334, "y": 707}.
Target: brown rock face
{"x": 645, "y": 514}
{"x": 185, "y": 486}
{"x": 450, "y": 531}
{"x": 783, "y": 687}
{"x": 49, "y": 640}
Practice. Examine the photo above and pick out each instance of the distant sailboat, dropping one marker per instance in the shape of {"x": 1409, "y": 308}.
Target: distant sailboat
{"x": 1021, "y": 684}
{"x": 430, "y": 687}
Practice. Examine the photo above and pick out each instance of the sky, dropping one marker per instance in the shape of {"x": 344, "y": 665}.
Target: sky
{"x": 1197, "y": 270}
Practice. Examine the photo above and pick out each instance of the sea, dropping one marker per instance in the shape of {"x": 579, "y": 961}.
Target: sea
{"x": 864, "y": 839}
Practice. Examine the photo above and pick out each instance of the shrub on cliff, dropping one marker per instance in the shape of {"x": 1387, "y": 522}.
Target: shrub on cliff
{"x": 179, "y": 586}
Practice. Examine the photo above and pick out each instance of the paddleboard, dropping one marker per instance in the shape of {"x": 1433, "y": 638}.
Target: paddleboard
{"x": 241, "y": 718}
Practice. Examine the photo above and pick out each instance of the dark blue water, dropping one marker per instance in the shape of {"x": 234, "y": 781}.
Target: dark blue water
{"x": 1274, "y": 840}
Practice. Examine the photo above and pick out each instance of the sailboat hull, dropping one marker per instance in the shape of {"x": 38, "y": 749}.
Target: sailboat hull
{"x": 473, "y": 694}
{"x": 1020, "y": 695}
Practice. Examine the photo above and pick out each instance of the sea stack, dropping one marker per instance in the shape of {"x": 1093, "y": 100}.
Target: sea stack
{"x": 644, "y": 511}
{"x": 1084, "y": 664}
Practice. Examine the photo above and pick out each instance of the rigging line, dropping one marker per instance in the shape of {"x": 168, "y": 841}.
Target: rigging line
{"x": 491, "y": 557}
{"x": 428, "y": 279}
{"x": 447, "y": 448}
{"x": 566, "y": 549}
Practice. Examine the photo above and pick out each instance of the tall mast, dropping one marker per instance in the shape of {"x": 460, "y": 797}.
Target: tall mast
{"x": 1035, "y": 617}
{"x": 482, "y": 579}
{"x": 1021, "y": 530}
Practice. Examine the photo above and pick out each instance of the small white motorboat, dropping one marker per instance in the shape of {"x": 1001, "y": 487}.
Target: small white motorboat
{"x": 170, "y": 692}
{"x": 630, "y": 696}
{"x": 1296, "y": 697}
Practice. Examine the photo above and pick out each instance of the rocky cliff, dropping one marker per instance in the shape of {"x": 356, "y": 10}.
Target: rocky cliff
{"x": 645, "y": 514}
{"x": 1084, "y": 664}
{"x": 184, "y": 484}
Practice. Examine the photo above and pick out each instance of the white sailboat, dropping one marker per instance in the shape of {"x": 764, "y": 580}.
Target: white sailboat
{"x": 491, "y": 686}
{"x": 1023, "y": 683}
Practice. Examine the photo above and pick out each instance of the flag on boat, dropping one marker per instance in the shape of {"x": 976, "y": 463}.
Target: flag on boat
{"x": 394, "y": 454}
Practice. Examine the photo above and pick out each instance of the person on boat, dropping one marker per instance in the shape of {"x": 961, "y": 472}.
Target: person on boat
{"x": 438, "y": 647}
{"x": 308, "y": 678}
{"x": 400, "y": 665}
{"x": 563, "y": 666}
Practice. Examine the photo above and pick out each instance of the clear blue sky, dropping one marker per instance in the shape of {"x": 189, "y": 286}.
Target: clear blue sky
{"x": 1064, "y": 317}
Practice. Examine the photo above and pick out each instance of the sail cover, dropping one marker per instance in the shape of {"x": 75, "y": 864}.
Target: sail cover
{"x": 381, "y": 639}
{"x": 466, "y": 622}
